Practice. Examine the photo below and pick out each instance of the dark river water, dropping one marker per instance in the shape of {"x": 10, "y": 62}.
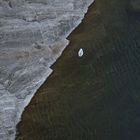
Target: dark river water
{"x": 96, "y": 97}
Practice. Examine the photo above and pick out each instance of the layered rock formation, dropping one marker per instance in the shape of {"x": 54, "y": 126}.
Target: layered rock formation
{"x": 32, "y": 36}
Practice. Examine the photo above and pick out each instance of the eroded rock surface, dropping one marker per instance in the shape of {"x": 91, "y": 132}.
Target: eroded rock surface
{"x": 32, "y": 36}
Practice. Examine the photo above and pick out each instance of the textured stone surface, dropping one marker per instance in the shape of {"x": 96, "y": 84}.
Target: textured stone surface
{"x": 32, "y": 36}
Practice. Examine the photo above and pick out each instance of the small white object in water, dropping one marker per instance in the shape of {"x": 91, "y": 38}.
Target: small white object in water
{"x": 80, "y": 52}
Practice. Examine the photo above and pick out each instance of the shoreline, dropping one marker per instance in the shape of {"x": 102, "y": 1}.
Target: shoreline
{"x": 71, "y": 106}
{"x": 67, "y": 41}
{"x": 26, "y": 103}
{"x": 32, "y": 90}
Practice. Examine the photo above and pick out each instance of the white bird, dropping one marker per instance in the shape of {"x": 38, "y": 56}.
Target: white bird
{"x": 80, "y": 52}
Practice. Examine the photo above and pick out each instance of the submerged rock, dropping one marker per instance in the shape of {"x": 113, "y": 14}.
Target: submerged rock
{"x": 32, "y": 36}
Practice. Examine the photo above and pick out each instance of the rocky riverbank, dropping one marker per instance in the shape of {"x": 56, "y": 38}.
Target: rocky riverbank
{"x": 32, "y": 36}
{"x": 96, "y": 97}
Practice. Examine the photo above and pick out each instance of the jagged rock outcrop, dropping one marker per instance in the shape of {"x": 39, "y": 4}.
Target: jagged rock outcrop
{"x": 32, "y": 36}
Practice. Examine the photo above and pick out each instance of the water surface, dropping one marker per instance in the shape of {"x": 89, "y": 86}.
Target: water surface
{"x": 96, "y": 97}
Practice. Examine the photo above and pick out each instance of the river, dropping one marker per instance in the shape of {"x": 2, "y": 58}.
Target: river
{"x": 97, "y": 96}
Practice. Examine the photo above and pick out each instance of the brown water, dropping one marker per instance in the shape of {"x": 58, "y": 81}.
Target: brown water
{"x": 96, "y": 97}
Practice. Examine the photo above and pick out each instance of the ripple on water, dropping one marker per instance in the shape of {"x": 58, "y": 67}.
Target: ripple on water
{"x": 95, "y": 97}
